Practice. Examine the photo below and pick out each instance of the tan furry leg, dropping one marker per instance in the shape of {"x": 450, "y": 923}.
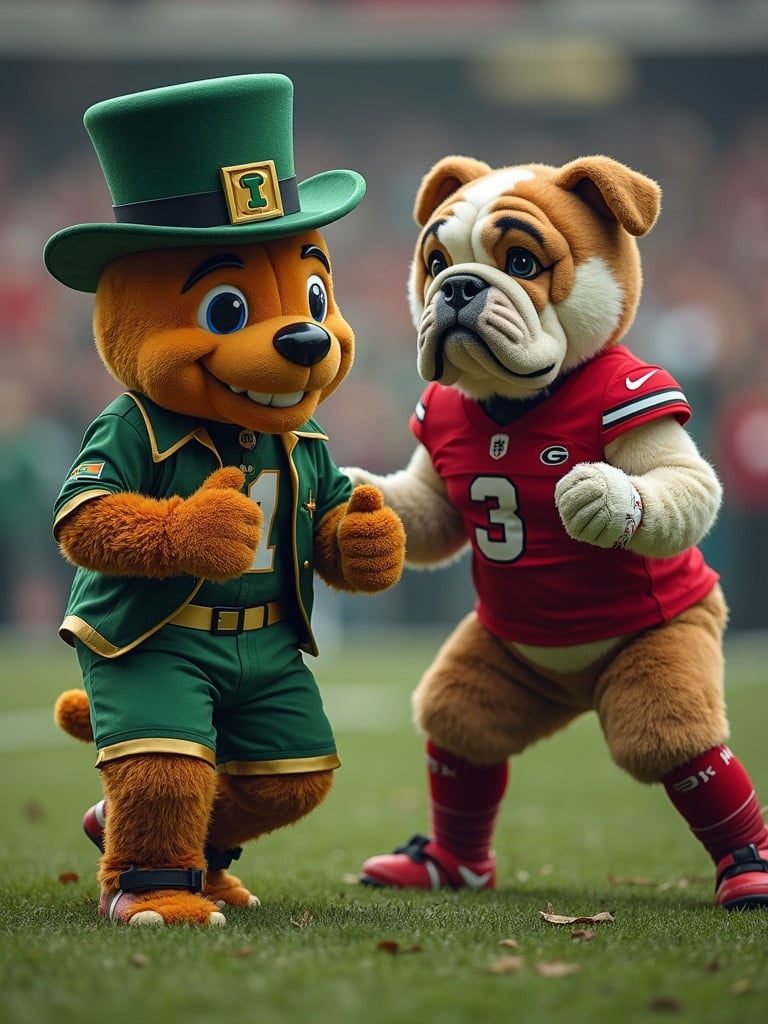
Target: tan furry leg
{"x": 481, "y": 702}
{"x": 249, "y": 806}
{"x": 159, "y": 805}
{"x": 661, "y": 700}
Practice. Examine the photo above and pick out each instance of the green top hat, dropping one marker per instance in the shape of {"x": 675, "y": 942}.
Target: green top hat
{"x": 205, "y": 163}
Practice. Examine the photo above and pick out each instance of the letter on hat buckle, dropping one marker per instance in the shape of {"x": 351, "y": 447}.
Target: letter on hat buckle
{"x": 252, "y": 192}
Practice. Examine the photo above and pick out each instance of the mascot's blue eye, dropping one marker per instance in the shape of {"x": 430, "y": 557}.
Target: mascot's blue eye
{"x": 317, "y": 297}
{"x": 521, "y": 263}
{"x": 224, "y": 310}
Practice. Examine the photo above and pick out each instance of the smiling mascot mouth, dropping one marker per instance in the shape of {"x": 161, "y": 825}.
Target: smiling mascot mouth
{"x": 286, "y": 401}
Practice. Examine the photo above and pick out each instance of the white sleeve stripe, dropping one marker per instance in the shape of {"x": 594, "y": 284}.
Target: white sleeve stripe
{"x": 659, "y": 399}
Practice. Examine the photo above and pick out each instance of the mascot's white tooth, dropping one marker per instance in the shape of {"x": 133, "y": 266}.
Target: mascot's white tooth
{"x": 260, "y": 397}
{"x": 236, "y": 390}
{"x": 286, "y": 401}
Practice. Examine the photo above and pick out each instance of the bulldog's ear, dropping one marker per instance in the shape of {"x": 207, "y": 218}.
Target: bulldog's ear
{"x": 448, "y": 175}
{"x": 615, "y": 191}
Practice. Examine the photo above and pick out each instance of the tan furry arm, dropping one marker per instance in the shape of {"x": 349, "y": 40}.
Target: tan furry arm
{"x": 434, "y": 529}
{"x": 680, "y": 491}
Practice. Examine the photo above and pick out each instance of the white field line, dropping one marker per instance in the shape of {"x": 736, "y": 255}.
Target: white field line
{"x": 353, "y": 708}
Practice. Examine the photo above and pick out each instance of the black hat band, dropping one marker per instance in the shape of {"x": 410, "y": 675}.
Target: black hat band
{"x": 199, "y": 209}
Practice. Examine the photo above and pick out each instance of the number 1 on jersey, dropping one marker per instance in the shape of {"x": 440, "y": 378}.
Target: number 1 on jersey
{"x": 264, "y": 491}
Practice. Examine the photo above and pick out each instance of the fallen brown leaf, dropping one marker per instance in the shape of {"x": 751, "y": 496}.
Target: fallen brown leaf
{"x": 510, "y": 943}
{"x": 682, "y": 883}
{"x": 139, "y": 960}
{"x": 583, "y": 935}
{"x": 304, "y": 920}
{"x": 33, "y": 811}
{"x": 507, "y": 965}
{"x": 68, "y": 877}
{"x": 665, "y": 1004}
{"x": 631, "y": 880}
{"x": 556, "y": 968}
{"x": 390, "y": 946}
{"x": 602, "y": 918}
{"x": 741, "y": 987}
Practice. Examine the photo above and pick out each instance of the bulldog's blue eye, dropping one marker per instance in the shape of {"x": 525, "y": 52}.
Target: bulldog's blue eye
{"x": 317, "y": 297}
{"x": 224, "y": 310}
{"x": 523, "y": 264}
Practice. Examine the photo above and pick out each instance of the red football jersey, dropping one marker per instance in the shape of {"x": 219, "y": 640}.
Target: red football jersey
{"x": 534, "y": 583}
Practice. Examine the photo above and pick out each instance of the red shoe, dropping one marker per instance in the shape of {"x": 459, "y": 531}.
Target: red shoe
{"x": 422, "y": 864}
{"x": 742, "y": 879}
{"x": 93, "y": 823}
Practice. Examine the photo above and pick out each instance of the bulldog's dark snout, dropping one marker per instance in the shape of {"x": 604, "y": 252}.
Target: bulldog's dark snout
{"x": 304, "y": 344}
{"x": 459, "y": 290}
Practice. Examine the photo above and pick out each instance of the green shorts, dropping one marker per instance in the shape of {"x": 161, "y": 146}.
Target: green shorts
{"x": 247, "y": 703}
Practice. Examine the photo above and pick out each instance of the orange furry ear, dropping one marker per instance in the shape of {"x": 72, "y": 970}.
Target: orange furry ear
{"x": 72, "y": 713}
{"x": 447, "y": 175}
{"x": 615, "y": 191}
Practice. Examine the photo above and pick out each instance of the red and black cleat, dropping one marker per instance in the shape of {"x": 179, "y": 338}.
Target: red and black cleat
{"x": 742, "y": 879}
{"x": 93, "y": 823}
{"x": 423, "y": 864}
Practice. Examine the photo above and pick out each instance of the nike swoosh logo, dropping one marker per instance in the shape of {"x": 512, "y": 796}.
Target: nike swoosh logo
{"x": 473, "y": 880}
{"x": 633, "y": 385}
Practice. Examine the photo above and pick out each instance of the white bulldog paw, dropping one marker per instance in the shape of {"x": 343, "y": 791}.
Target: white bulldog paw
{"x": 599, "y": 505}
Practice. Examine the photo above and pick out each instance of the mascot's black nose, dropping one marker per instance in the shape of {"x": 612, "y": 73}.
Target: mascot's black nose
{"x": 304, "y": 344}
{"x": 459, "y": 290}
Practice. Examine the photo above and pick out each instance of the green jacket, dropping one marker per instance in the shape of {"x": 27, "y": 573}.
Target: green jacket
{"x": 135, "y": 445}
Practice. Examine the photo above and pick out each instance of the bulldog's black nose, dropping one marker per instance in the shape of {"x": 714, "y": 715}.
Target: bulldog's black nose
{"x": 304, "y": 344}
{"x": 459, "y": 290}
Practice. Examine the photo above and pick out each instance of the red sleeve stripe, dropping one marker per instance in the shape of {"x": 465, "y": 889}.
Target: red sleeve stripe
{"x": 645, "y": 403}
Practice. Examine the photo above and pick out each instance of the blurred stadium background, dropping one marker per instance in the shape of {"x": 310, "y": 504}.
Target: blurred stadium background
{"x": 676, "y": 88}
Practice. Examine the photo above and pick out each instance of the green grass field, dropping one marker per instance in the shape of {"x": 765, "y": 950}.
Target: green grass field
{"x": 575, "y": 833}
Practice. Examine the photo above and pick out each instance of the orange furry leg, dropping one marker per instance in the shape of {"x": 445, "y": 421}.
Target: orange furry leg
{"x": 249, "y": 806}
{"x": 159, "y": 806}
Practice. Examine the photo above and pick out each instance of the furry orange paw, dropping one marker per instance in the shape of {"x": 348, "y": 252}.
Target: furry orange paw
{"x": 223, "y": 888}
{"x": 216, "y": 530}
{"x": 159, "y": 907}
{"x": 371, "y": 542}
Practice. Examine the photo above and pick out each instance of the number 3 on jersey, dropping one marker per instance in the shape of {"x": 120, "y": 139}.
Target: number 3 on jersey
{"x": 264, "y": 491}
{"x": 503, "y": 540}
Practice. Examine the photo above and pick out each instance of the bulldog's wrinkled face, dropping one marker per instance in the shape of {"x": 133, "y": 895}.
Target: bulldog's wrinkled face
{"x": 522, "y": 273}
{"x": 249, "y": 335}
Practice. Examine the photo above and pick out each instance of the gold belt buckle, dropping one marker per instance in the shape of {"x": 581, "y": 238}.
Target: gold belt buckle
{"x": 227, "y": 621}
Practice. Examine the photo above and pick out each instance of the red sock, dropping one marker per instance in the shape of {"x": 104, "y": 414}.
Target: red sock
{"x": 716, "y": 797}
{"x": 464, "y": 802}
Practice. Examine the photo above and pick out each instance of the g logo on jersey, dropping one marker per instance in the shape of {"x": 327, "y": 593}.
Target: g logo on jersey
{"x": 555, "y": 455}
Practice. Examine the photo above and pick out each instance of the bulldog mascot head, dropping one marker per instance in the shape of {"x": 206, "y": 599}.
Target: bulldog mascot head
{"x": 560, "y": 460}
{"x": 204, "y": 498}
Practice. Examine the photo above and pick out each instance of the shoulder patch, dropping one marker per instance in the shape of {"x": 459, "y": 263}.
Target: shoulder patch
{"x": 87, "y": 470}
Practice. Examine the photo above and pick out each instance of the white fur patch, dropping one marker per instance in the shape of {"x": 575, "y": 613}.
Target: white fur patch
{"x": 592, "y": 311}
{"x": 460, "y": 234}
{"x": 494, "y": 185}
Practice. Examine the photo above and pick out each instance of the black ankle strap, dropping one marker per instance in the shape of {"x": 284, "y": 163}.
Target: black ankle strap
{"x": 168, "y": 878}
{"x": 218, "y": 860}
{"x": 745, "y": 859}
{"x": 414, "y": 849}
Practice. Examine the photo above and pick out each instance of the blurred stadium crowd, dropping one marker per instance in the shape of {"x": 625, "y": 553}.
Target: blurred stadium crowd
{"x": 698, "y": 124}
